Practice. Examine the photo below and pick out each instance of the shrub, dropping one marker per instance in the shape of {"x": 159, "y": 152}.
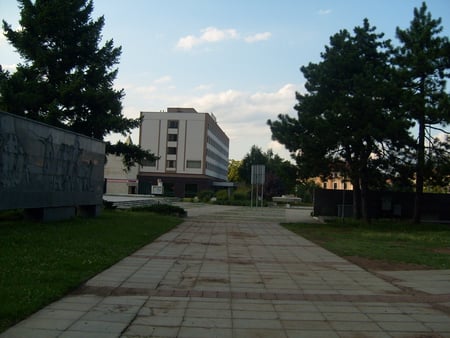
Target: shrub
{"x": 222, "y": 195}
{"x": 241, "y": 195}
{"x": 205, "y": 195}
{"x": 163, "y": 209}
{"x": 108, "y": 205}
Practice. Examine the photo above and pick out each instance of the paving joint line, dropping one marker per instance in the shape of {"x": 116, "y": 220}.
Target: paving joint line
{"x": 335, "y": 297}
{"x": 238, "y": 260}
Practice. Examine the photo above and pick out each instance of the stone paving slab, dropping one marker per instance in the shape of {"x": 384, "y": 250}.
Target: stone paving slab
{"x": 234, "y": 272}
{"x": 439, "y": 283}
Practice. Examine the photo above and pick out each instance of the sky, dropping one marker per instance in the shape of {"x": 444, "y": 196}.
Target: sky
{"x": 237, "y": 59}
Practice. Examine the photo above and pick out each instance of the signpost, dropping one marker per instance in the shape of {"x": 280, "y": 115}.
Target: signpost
{"x": 257, "y": 181}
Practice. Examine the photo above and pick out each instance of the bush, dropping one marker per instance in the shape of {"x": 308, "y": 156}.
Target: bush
{"x": 241, "y": 195}
{"x": 163, "y": 209}
{"x": 205, "y": 195}
{"x": 108, "y": 205}
{"x": 222, "y": 195}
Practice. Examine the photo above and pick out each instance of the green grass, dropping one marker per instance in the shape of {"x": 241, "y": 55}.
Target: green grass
{"x": 41, "y": 262}
{"x": 388, "y": 241}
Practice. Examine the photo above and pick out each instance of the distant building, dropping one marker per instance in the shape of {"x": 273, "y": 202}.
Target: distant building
{"x": 192, "y": 149}
{"x": 334, "y": 182}
{"x": 118, "y": 180}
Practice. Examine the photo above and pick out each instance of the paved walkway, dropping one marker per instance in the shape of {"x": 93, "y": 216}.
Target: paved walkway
{"x": 234, "y": 272}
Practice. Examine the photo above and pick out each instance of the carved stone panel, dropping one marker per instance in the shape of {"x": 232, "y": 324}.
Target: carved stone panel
{"x": 43, "y": 167}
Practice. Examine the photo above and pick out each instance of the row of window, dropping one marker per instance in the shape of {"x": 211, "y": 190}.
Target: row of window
{"x": 335, "y": 185}
{"x": 172, "y": 124}
{"x": 215, "y": 130}
{"x": 217, "y": 145}
{"x": 217, "y": 169}
{"x": 172, "y": 137}
{"x": 171, "y": 164}
{"x": 214, "y": 156}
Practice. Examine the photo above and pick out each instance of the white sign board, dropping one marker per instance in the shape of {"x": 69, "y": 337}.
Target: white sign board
{"x": 157, "y": 190}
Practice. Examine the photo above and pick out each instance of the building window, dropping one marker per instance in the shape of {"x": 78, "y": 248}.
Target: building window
{"x": 172, "y": 137}
{"x": 173, "y": 124}
{"x": 335, "y": 186}
{"x": 148, "y": 163}
{"x": 324, "y": 185}
{"x": 194, "y": 164}
{"x": 171, "y": 164}
{"x": 171, "y": 150}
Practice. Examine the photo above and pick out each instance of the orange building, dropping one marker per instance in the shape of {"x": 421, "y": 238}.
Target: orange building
{"x": 334, "y": 182}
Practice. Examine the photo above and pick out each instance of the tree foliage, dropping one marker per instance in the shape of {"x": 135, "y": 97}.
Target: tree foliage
{"x": 233, "y": 171}
{"x": 347, "y": 119}
{"x": 280, "y": 175}
{"x": 4, "y": 76}
{"x": 361, "y": 102}
{"x": 66, "y": 78}
{"x": 423, "y": 64}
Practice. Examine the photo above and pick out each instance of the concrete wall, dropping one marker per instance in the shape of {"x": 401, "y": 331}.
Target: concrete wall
{"x": 46, "y": 167}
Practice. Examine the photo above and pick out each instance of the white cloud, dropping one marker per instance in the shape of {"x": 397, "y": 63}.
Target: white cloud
{"x": 203, "y": 87}
{"x": 146, "y": 89}
{"x": 213, "y": 34}
{"x": 243, "y": 116}
{"x": 164, "y": 79}
{"x": 188, "y": 42}
{"x": 443, "y": 137}
{"x": 324, "y": 11}
{"x": 10, "y": 68}
{"x": 258, "y": 37}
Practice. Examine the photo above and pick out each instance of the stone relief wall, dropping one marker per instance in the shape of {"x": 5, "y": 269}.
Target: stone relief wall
{"x": 42, "y": 166}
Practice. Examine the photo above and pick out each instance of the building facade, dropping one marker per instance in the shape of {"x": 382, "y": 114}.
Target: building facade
{"x": 192, "y": 149}
{"x": 119, "y": 180}
{"x": 334, "y": 182}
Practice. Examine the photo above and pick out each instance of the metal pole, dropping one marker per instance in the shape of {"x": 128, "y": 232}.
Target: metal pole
{"x": 262, "y": 195}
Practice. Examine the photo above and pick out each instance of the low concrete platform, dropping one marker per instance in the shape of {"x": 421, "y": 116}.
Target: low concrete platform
{"x": 235, "y": 272}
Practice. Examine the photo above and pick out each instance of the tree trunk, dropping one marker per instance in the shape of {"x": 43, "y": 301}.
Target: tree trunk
{"x": 365, "y": 199}
{"x": 420, "y": 171}
{"x": 420, "y": 156}
{"x": 356, "y": 199}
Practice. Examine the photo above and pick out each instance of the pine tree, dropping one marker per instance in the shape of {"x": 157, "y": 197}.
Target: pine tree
{"x": 66, "y": 78}
{"x": 423, "y": 61}
{"x": 348, "y": 117}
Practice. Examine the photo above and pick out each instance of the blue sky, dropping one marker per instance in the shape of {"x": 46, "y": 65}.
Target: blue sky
{"x": 238, "y": 59}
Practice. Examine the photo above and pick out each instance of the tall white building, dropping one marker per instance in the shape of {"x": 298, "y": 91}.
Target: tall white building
{"x": 192, "y": 150}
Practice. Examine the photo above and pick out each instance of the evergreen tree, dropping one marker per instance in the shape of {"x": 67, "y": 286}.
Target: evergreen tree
{"x": 4, "y": 76}
{"x": 347, "y": 119}
{"x": 66, "y": 78}
{"x": 280, "y": 175}
{"x": 423, "y": 61}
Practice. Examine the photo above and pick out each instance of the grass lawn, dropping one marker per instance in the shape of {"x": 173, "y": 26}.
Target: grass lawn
{"x": 41, "y": 262}
{"x": 389, "y": 241}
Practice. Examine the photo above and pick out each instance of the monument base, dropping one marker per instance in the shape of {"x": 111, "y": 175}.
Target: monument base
{"x": 50, "y": 214}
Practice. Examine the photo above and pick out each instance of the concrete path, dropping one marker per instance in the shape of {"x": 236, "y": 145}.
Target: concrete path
{"x": 234, "y": 272}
